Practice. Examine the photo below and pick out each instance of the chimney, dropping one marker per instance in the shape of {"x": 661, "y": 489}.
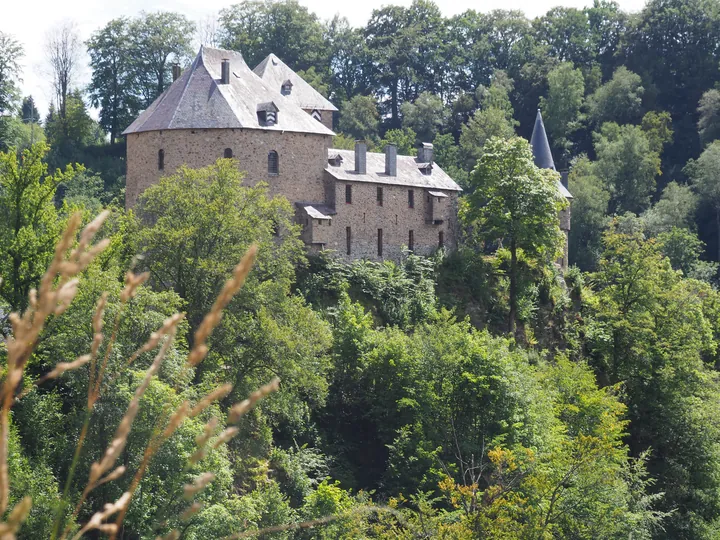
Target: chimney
{"x": 391, "y": 160}
{"x": 225, "y": 72}
{"x": 176, "y": 72}
{"x": 425, "y": 153}
{"x": 360, "y": 157}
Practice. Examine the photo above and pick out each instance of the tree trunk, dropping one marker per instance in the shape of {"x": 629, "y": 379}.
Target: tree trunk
{"x": 512, "y": 327}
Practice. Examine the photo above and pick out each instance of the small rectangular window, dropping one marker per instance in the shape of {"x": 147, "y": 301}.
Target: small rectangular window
{"x": 161, "y": 159}
{"x": 411, "y": 240}
{"x": 411, "y": 198}
{"x": 380, "y": 196}
{"x": 348, "y": 239}
{"x": 348, "y": 194}
{"x": 380, "y": 243}
{"x": 441, "y": 239}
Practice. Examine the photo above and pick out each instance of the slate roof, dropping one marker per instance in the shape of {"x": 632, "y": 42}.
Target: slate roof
{"x": 275, "y": 72}
{"x": 317, "y": 211}
{"x": 197, "y": 100}
{"x": 541, "y": 151}
{"x": 408, "y": 173}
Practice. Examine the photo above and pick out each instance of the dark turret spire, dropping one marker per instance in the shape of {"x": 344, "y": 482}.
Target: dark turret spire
{"x": 540, "y": 145}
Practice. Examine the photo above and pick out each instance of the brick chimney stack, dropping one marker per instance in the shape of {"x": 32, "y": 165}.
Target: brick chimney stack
{"x": 425, "y": 153}
{"x": 176, "y": 72}
{"x": 391, "y": 160}
{"x": 225, "y": 72}
{"x": 360, "y": 157}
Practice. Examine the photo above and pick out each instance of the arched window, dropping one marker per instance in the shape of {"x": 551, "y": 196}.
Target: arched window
{"x": 228, "y": 153}
{"x": 161, "y": 159}
{"x": 273, "y": 162}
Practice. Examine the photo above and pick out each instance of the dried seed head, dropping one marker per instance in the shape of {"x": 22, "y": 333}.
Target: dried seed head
{"x": 219, "y": 393}
{"x": 239, "y": 409}
{"x": 201, "y": 482}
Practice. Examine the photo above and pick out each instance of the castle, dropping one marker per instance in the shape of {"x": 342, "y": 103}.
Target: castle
{"x": 358, "y": 204}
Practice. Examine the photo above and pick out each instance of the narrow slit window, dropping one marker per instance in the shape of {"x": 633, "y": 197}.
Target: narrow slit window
{"x": 441, "y": 239}
{"x": 380, "y": 196}
{"x": 380, "y": 243}
{"x": 348, "y": 194}
{"x": 411, "y": 198}
{"x": 228, "y": 153}
{"x": 273, "y": 162}
{"x": 161, "y": 159}
{"x": 411, "y": 241}
{"x": 348, "y": 239}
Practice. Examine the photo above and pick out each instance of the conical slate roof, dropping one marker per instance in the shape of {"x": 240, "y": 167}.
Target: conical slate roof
{"x": 277, "y": 73}
{"x": 540, "y": 145}
{"x": 198, "y": 100}
{"x": 541, "y": 151}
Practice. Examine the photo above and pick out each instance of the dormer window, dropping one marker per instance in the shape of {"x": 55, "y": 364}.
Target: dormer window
{"x": 317, "y": 115}
{"x": 335, "y": 160}
{"x": 267, "y": 114}
{"x": 425, "y": 168}
{"x": 286, "y": 88}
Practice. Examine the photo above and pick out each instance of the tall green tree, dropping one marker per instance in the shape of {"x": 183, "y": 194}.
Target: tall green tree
{"x": 512, "y": 199}
{"x": 11, "y": 51}
{"x": 288, "y": 29}
{"x": 709, "y": 112}
{"x": 619, "y": 100}
{"x": 30, "y": 226}
{"x": 112, "y": 87}
{"x": 561, "y": 107}
{"x": 705, "y": 175}
{"x": 159, "y": 39}
{"x": 628, "y": 165}
{"x": 426, "y": 116}
{"x": 359, "y": 118}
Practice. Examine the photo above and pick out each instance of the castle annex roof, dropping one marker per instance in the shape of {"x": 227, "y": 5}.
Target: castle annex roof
{"x": 408, "y": 173}
{"x": 541, "y": 151}
{"x": 277, "y": 74}
{"x": 202, "y": 99}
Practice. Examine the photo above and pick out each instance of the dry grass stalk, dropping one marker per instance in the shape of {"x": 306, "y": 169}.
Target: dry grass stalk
{"x": 200, "y": 483}
{"x": 212, "y": 319}
{"x": 202, "y": 440}
{"x": 191, "y": 511}
{"x": 16, "y": 518}
{"x": 217, "y": 394}
{"x": 97, "y": 521}
{"x": 240, "y": 409}
{"x": 58, "y": 287}
{"x": 172, "y": 535}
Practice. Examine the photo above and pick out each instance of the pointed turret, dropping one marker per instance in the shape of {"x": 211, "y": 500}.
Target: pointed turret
{"x": 540, "y": 145}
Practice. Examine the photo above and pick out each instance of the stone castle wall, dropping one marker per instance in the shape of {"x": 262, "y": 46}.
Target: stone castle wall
{"x": 302, "y": 158}
{"x": 364, "y": 217}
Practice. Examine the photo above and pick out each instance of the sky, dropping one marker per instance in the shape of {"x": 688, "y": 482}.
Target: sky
{"x": 30, "y": 22}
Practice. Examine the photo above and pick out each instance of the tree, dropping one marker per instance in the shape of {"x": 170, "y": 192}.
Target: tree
{"x": 589, "y": 207}
{"x": 30, "y": 226}
{"x": 515, "y": 200}
{"x": 404, "y": 139}
{"x": 69, "y": 135}
{"x": 112, "y": 87}
{"x": 62, "y": 51}
{"x": 705, "y": 172}
{"x": 28, "y": 111}
{"x": 619, "y": 100}
{"x": 628, "y": 166}
{"x": 709, "y": 112}
{"x": 658, "y": 129}
{"x": 359, "y": 118}
{"x": 675, "y": 210}
{"x": 10, "y": 54}
{"x": 652, "y": 331}
{"x": 288, "y": 29}
{"x": 484, "y": 125}
{"x": 561, "y": 108}
{"x": 426, "y": 116}
{"x": 159, "y": 40}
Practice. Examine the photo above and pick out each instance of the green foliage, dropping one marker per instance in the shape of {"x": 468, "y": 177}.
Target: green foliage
{"x": 658, "y": 129}
{"x": 404, "y": 139}
{"x": 709, "y": 111}
{"x": 619, "y": 100}
{"x": 359, "y": 118}
{"x": 675, "y": 209}
{"x": 30, "y": 226}
{"x": 627, "y": 165}
{"x": 561, "y": 108}
{"x": 11, "y": 51}
{"x": 426, "y": 116}
{"x": 589, "y": 208}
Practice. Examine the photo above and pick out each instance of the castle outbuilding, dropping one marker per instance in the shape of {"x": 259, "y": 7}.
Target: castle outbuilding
{"x": 357, "y": 203}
